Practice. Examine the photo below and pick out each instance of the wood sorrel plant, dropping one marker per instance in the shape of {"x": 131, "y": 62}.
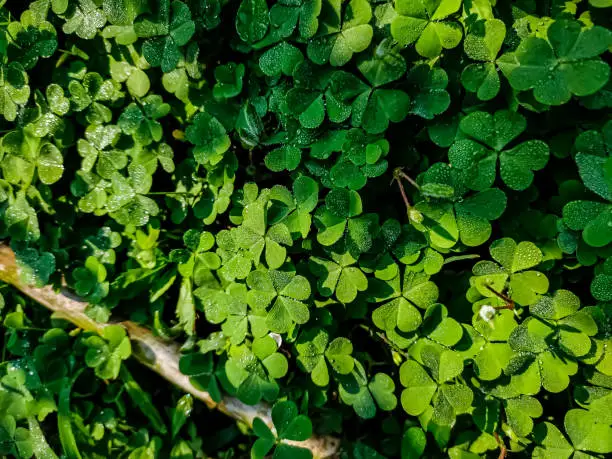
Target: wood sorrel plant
{"x": 218, "y": 172}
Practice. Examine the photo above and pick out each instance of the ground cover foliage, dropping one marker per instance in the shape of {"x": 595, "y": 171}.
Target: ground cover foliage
{"x": 390, "y": 219}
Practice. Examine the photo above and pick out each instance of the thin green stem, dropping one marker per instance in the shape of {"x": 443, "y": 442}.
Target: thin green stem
{"x": 469, "y": 256}
{"x": 164, "y": 193}
{"x": 409, "y": 179}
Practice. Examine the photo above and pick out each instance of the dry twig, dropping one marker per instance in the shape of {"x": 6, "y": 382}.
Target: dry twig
{"x": 159, "y": 355}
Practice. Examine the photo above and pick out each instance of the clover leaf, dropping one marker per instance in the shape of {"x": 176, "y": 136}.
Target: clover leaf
{"x": 14, "y": 441}
{"x": 515, "y": 260}
{"x": 140, "y": 121}
{"x": 26, "y": 154}
{"x": 253, "y": 371}
{"x": 202, "y": 373}
{"x": 166, "y": 31}
{"x": 280, "y": 59}
{"x": 286, "y": 15}
{"x": 288, "y": 425}
{"x": 14, "y": 89}
{"x": 384, "y": 65}
{"x": 587, "y": 435}
{"x": 229, "y": 308}
{"x": 592, "y": 218}
{"x": 316, "y": 353}
{"x": 479, "y": 163}
{"x": 284, "y": 158}
{"x": 90, "y": 280}
{"x": 20, "y": 219}
{"x": 127, "y": 203}
{"x": 594, "y": 150}
{"x": 463, "y": 218}
{"x": 209, "y": 137}
{"x": 229, "y": 80}
{"x": 554, "y": 333}
{"x": 197, "y": 256}
{"x": 306, "y": 101}
{"x": 365, "y": 394}
{"x": 254, "y": 235}
{"x": 521, "y": 411}
{"x": 106, "y": 352}
{"x": 449, "y": 400}
{"x": 428, "y": 91}
{"x": 136, "y": 80}
{"x": 600, "y": 287}
{"x": 85, "y": 19}
{"x": 483, "y": 43}
{"x": 565, "y": 64}
{"x": 340, "y": 220}
{"x": 252, "y": 20}
{"x": 236, "y": 261}
{"x": 306, "y": 197}
{"x": 372, "y": 107}
{"x": 427, "y": 24}
{"x": 285, "y": 291}
{"x": 88, "y": 95}
{"x": 102, "y": 245}
{"x": 342, "y": 32}
{"x": 414, "y": 290}
{"x": 36, "y": 267}
{"x": 600, "y": 357}
{"x": 338, "y": 276}
{"x": 492, "y": 353}
{"x": 31, "y": 40}
{"x": 356, "y": 164}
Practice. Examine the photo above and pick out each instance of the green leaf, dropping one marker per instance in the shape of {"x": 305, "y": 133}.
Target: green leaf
{"x": 594, "y": 150}
{"x": 565, "y": 65}
{"x": 229, "y": 80}
{"x": 252, "y": 20}
{"x": 170, "y": 29}
{"x": 14, "y": 440}
{"x": 385, "y": 65}
{"x": 478, "y": 163}
{"x": 14, "y": 89}
{"x": 413, "y": 443}
{"x": 336, "y": 40}
{"x": 364, "y": 395}
{"x": 285, "y": 291}
{"x": 419, "y": 388}
{"x": 21, "y": 221}
{"x": 185, "y": 307}
{"x": 485, "y": 40}
{"x": 283, "y": 158}
{"x": 428, "y": 91}
{"x": 314, "y": 349}
{"x": 35, "y": 267}
{"x": 427, "y": 24}
{"x": 86, "y": 20}
{"x": 587, "y": 433}
{"x": 280, "y": 59}
{"x": 209, "y": 137}
{"x": 520, "y": 412}
{"x": 106, "y": 352}
{"x": 289, "y": 424}
{"x": 142, "y": 400}
{"x": 515, "y": 257}
{"x": 562, "y": 304}
{"x": 481, "y": 79}
{"x": 550, "y": 442}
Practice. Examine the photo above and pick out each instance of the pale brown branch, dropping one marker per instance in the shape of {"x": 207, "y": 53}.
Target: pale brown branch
{"x": 159, "y": 355}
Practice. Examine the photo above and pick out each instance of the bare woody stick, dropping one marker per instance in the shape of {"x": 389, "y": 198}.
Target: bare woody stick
{"x": 159, "y": 355}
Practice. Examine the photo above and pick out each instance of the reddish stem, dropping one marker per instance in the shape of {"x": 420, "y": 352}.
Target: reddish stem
{"x": 509, "y": 302}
